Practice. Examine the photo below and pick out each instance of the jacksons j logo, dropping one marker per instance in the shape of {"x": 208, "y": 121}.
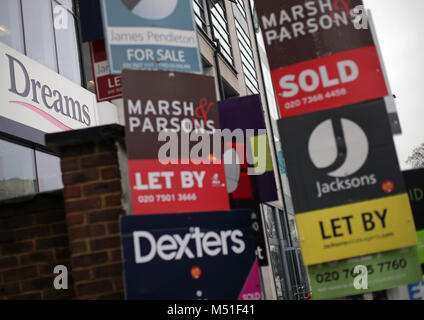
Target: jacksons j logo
{"x": 340, "y": 156}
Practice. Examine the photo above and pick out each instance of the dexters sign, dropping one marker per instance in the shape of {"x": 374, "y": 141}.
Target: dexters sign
{"x": 190, "y": 256}
{"x": 151, "y": 35}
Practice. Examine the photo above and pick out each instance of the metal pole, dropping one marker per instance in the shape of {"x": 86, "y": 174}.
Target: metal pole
{"x": 285, "y": 261}
{"x": 283, "y": 224}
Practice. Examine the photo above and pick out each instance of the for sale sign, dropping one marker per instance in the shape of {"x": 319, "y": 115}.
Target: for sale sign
{"x": 208, "y": 256}
{"x": 318, "y": 55}
{"x": 171, "y": 125}
{"x": 108, "y": 87}
{"x": 151, "y": 35}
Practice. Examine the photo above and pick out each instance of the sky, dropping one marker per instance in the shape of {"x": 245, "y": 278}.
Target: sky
{"x": 400, "y": 30}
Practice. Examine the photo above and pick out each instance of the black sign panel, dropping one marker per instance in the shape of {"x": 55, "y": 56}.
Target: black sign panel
{"x": 258, "y": 229}
{"x": 414, "y": 180}
{"x": 91, "y": 20}
{"x": 190, "y": 256}
{"x": 300, "y": 30}
{"x": 340, "y": 156}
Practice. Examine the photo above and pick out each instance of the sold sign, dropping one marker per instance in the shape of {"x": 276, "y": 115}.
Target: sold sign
{"x": 334, "y": 81}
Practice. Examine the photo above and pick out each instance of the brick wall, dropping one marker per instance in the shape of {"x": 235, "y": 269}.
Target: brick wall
{"x": 33, "y": 240}
{"x": 92, "y": 196}
{"x": 77, "y": 227}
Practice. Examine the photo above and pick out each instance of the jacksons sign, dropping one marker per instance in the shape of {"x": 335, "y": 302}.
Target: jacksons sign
{"x": 340, "y": 156}
{"x": 190, "y": 256}
{"x": 183, "y": 105}
{"x": 318, "y": 58}
{"x": 38, "y": 97}
{"x": 348, "y": 192}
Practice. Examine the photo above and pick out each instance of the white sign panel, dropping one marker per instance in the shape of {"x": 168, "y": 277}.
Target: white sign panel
{"x": 38, "y": 97}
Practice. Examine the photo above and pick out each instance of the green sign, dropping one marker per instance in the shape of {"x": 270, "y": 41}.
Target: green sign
{"x": 263, "y": 160}
{"x": 421, "y": 246}
{"x": 385, "y": 270}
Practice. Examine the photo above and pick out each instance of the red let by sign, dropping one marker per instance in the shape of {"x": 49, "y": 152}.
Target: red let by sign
{"x": 108, "y": 87}
{"x": 158, "y": 188}
{"x": 340, "y": 79}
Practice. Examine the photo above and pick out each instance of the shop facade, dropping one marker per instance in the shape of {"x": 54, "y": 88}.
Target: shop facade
{"x": 46, "y": 86}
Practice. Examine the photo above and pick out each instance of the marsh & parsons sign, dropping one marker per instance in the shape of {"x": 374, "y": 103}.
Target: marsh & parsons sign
{"x": 164, "y": 174}
{"x": 318, "y": 59}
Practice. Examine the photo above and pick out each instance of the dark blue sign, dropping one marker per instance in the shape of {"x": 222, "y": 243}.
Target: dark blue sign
{"x": 190, "y": 256}
{"x": 91, "y": 20}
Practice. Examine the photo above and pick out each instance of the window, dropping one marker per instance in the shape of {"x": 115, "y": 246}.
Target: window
{"x": 28, "y": 26}
{"x": 17, "y": 170}
{"x": 246, "y": 53}
{"x": 48, "y": 172}
{"x": 220, "y": 27}
{"x": 11, "y": 32}
{"x": 240, "y": 6}
{"x": 219, "y": 23}
{"x": 67, "y": 48}
{"x": 24, "y": 170}
{"x": 39, "y": 32}
{"x": 200, "y": 15}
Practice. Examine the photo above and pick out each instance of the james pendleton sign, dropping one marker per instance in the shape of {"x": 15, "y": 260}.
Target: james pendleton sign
{"x": 151, "y": 35}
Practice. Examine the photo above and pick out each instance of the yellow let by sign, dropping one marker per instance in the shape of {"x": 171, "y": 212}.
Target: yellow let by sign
{"x": 356, "y": 230}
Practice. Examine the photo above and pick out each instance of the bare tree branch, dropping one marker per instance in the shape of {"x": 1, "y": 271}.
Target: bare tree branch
{"x": 416, "y": 160}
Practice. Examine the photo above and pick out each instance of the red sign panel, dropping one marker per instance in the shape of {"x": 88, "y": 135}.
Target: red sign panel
{"x": 341, "y": 79}
{"x": 108, "y": 87}
{"x": 158, "y": 188}
{"x": 184, "y": 106}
